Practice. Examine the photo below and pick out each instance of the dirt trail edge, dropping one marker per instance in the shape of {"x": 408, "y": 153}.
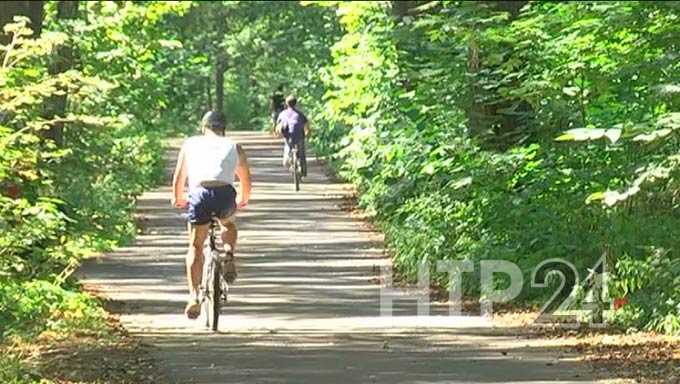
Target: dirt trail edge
{"x": 305, "y": 308}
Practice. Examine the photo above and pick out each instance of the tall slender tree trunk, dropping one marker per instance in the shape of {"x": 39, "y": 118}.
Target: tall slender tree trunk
{"x": 481, "y": 115}
{"x": 56, "y": 105}
{"x": 208, "y": 93}
{"x": 31, "y": 9}
{"x": 401, "y": 8}
{"x": 219, "y": 85}
{"x": 476, "y": 110}
{"x": 36, "y": 14}
{"x": 219, "y": 22}
{"x": 513, "y": 7}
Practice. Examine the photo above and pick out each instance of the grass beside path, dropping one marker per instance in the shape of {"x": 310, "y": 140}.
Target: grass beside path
{"x": 99, "y": 353}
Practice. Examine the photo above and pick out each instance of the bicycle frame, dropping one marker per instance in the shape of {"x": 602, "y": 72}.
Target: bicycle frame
{"x": 295, "y": 163}
{"x": 213, "y": 289}
{"x": 213, "y": 225}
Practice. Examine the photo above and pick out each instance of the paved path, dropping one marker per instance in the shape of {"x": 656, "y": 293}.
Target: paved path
{"x": 306, "y": 307}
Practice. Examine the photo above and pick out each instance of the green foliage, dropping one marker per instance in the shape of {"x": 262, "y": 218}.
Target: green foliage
{"x": 472, "y": 131}
{"x": 61, "y": 200}
{"x": 653, "y": 284}
{"x": 26, "y": 229}
{"x": 446, "y": 119}
{"x": 31, "y": 307}
{"x": 264, "y": 44}
{"x": 14, "y": 371}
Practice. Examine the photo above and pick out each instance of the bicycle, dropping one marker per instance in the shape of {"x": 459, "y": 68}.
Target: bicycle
{"x": 213, "y": 291}
{"x": 296, "y": 165}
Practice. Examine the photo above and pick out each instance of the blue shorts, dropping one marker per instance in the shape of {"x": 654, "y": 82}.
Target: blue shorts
{"x": 208, "y": 202}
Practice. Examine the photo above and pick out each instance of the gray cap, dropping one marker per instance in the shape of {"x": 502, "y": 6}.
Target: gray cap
{"x": 213, "y": 120}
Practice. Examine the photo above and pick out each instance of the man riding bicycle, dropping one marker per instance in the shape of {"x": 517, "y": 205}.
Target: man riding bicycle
{"x": 277, "y": 103}
{"x": 294, "y": 127}
{"x": 210, "y": 162}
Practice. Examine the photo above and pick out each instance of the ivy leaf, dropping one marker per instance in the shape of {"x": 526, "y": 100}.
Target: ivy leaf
{"x": 429, "y": 169}
{"x": 584, "y": 134}
{"x": 171, "y": 44}
{"x": 460, "y": 183}
{"x": 571, "y": 91}
{"x": 647, "y": 137}
{"x": 613, "y": 135}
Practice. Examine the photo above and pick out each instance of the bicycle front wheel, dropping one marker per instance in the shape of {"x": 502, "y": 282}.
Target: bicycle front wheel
{"x": 296, "y": 172}
{"x": 214, "y": 298}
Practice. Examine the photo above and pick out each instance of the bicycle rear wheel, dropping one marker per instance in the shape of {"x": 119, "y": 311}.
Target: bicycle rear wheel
{"x": 205, "y": 290}
{"x": 296, "y": 171}
{"x": 216, "y": 294}
{"x": 211, "y": 302}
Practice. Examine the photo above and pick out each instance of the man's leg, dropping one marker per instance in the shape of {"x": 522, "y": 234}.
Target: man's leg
{"x": 194, "y": 263}
{"x": 286, "y": 152}
{"x": 229, "y": 236}
{"x": 303, "y": 157}
{"x": 274, "y": 127}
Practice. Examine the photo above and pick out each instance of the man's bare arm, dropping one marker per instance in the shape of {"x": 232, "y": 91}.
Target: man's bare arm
{"x": 179, "y": 178}
{"x": 243, "y": 174}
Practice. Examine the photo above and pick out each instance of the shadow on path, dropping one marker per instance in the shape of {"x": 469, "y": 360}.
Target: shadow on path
{"x": 306, "y": 307}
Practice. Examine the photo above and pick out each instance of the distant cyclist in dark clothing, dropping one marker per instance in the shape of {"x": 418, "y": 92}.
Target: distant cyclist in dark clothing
{"x": 277, "y": 103}
{"x": 294, "y": 126}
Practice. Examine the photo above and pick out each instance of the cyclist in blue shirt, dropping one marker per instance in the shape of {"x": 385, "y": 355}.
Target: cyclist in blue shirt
{"x": 293, "y": 125}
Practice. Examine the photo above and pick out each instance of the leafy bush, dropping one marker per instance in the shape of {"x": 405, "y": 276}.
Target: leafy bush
{"x": 31, "y": 307}
{"x": 14, "y": 371}
{"x": 68, "y": 181}
{"x": 446, "y": 117}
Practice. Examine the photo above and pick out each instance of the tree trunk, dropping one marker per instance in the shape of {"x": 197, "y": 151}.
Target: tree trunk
{"x": 56, "y": 105}
{"x": 31, "y": 9}
{"x": 482, "y": 117}
{"x": 35, "y": 13}
{"x": 401, "y": 8}
{"x": 511, "y": 7}
{"x": 219, "y": 85}
{"x": 218, "y": 20}
{"x": 476, "y": 111}
{"x": 208, "y": 92}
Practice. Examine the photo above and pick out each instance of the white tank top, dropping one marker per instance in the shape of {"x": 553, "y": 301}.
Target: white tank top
{"x": 210, "y": 159}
